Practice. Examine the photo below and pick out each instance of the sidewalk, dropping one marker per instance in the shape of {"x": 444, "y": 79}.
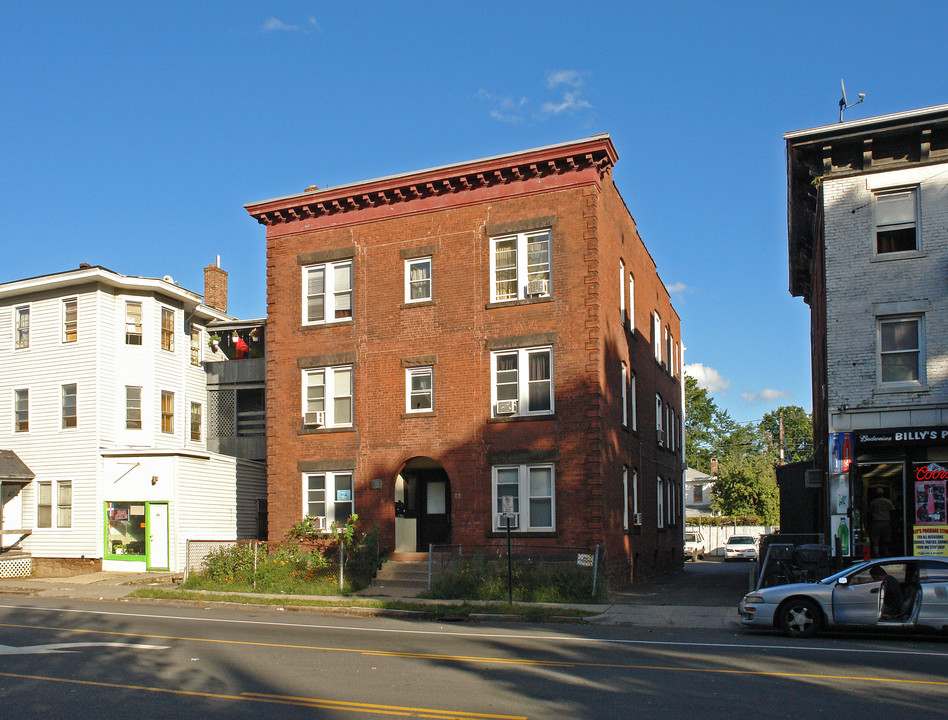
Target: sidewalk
{"x": 646, "y": 607}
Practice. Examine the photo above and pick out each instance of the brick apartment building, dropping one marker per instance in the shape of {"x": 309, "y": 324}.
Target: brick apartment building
{"x": 442, "y": 339}
{"x": 868, "y": 248}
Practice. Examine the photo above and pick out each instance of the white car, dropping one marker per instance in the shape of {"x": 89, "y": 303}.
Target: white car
{"x": 740, "y": 547}
{"x": 694, "y": 545}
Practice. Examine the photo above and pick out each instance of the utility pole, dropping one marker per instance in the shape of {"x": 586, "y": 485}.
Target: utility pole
{"x": 782, "y": 461}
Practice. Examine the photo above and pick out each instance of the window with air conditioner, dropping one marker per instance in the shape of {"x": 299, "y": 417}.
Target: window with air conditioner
{"x": 520, "y": 265}
{"x": 522, "y": 382}
{"x": 327, "y": 292}
{"x": 328, "y": 390}
{"x": 531, "y": 488}
{"x": 328, "y": 497}
{"x": 133, "y": 323}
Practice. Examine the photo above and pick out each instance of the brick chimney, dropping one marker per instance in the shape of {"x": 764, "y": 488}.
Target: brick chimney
{"x": 215, "y": 286}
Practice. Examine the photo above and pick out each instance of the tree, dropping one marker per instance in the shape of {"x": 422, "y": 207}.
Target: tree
{"x": 797, "y": 431}
{"x": 706, "y": 426}
{"x": 746, "y": 483}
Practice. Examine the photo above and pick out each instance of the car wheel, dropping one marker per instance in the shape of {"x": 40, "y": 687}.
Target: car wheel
{"x": 800, "y": 618}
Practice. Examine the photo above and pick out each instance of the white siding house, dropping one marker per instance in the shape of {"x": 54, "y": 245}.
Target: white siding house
{"x": 103, "y": 396}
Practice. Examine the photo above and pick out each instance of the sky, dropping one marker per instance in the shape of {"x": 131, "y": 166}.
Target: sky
{"x": 132, "y": 134}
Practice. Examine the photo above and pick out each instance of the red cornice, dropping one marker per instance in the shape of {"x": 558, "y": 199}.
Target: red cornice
{"x": 527, "y": 172}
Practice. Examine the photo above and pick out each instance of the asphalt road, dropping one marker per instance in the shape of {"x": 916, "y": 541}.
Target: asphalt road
{"x": 139, "y": 660}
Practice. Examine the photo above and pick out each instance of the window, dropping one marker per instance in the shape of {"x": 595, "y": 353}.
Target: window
{"x": 419, "y": 384}
{"x": 635, "y": 492}
{"x": 659, "y": 420}
{"x": 45, "y": 506}
{"x": 622, "y": 290}
{"x": 657, "y": 336}
{"x": 21, "y": 329}
{"x": 632, "y": 399}
{"x": 668, "y": 350}
{"x": 625, "y": 498}
{"x": 167, "y": 329}
{"x": 167, "y": 412}
{"x": 632, "y": 303}
{"x": 133, "y": 408}
{"x": 69, "y": 415}
{"x": 899, "y": 349}
{"x": 520, "y": 266}
{"x": 126, "y": 530}
{"x": 418, "y": 280}
{"x": 698, "y": 493}
{"x": 531, "y": 487}
{"x": 624, "y": 372}
{"x": 327, "y": 292}
{"x": 196, "y": 421}
{"x": 660, "y": 493}
{"x": 329, "y": 390}
{"x": 328, "y": 496}
{"x": 133, "y": 323}
{"x": 523, "y": 393}
{"x": 195, "y": 345}
{"x": 896, "y": 221}
{"x": 21, "y": 410}
{"x": 70, "y": 320}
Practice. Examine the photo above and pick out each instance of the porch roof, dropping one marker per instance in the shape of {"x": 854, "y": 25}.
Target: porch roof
{"x": 12, "y": 469}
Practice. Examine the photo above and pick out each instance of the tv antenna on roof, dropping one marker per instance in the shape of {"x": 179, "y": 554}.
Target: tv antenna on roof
{"x": 842, "y": 101}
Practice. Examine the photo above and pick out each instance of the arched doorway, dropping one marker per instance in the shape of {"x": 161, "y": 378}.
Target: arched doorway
{"x": 422, "y": 506}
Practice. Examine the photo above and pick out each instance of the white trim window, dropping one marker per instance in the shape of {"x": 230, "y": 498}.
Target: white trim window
{"x": 520, "y": 265}
{"x": 46, "y": 509}
{"x": 133, "y": 407}
{"x": 197, "y": 422}
{"x": 532, "y": 488}
{"x": 635, "y": 492}
{"x": 328, "y": 497}
{"x": 625, "y": 497}
{"x": 329, "y": 390}
{"x": 522, "y": 382}
{"x": 21, "y": 410}
{"x": 133, "y": 323}
{"x": 196, "y": 344}
{"x": 624, "y": 393}
{"x": 418, "y": 280}
{"x": 896, "y": 214}
{"x": 900, "y": 349}
{"x": 419, "y": 389}
{"x": 327, "y": 292}
{"x": 659, "y": 420}
{"x": 21, "y": 327}
{"x": 167, "y": 329}
{"x": 657, "y": 336}
{"x": 631, "y": 302}
{"x": 622, "y": 290}
{"x": 660, "y": 494}
{"x": 632, "y": 403}
{"x": 167, "y": 412}
{"x": 669, "y": 345}
{"x": 70, "y": 315}
{"x": 70, "y": 418}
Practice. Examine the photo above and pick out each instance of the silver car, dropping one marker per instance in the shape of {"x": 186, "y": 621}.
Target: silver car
{"x": 899, "y": 592}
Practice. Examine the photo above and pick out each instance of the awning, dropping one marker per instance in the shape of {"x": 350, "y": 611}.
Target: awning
{"x": 14, "y": 470}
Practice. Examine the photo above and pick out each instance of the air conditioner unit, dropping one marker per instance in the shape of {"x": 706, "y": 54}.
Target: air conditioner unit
{"x": 319, "y": 522}
{"x": 506, "y": 407}
{"x": 314, "y": 419}
{"x": 538, "y": 287}
{"x": 502, "y": 521}
{"x": 636, "y": 518}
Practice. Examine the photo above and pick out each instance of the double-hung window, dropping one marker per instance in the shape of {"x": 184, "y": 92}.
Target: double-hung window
{"x": 522, "y": 381}
{"x": 167, "y": 329}
{"x": 520, "y": 266}
{"x": 657, "y": 336}
{"x": 21, "y": 329}
{"x": 668, "y": 351}
{"x": 418, "y": 280}
{"x": 632, "y": 401}
{"x": 327, "y": 497}
{"x": 133, "y": 323}
{"x": 45, "y": 506}
{"x": 195, "y": 345}
{"x": 133, "y": 408}
{"x": 532, "y": 489}
{"x": 622, "y": 291}
{"x": 631, "y": 302}
{"x": 70, "y": 312}
{"x": 21, "y": 410}
{"x": 69, "y": 411}
{"x": 660, "y": 494}
{"x": 625, "y": 497}
{"x": 327, "y": 292}
{"x": 896, "y": 221}
{"x": 659, "y": 420}
{"x": 167, "y": 412}
{"x": 900, "y": 349}
{"x": 623, "y": 393}
{"x": 328, "y": 390}
{"x": 418, "y": 382}
{"x": 196, "y": 421}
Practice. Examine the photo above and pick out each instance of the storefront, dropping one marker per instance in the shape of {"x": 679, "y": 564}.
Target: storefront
{"x": 137, "y": 532}
{"x": 887, "y": 491}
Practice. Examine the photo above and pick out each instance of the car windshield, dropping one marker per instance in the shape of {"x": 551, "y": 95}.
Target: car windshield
{"x": 740, "y": 540}
{"x": 690, "y": 537}
{"x": 836, "y": 576}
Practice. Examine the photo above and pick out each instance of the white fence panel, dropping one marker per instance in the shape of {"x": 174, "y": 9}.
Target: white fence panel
{"x": 715, "y": 536}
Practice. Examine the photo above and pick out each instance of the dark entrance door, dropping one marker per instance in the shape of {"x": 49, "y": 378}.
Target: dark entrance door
{"x": 422, "y": 506}
{"x": 434, "y": 526}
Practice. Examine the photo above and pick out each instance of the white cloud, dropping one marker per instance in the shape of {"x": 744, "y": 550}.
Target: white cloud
{"x": 573, "y": 78}
{"x": 506, "y": 108}
{"x": 571, "y": 103}
{"x": 767, "y": 395}
{"x": 707, "y": 378}
{"x": 273, "y": 24}
{"x": 679, "y": 289}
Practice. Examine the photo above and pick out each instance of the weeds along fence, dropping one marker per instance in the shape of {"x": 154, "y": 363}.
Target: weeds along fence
{"x": 339, "y": 563}
{"x": 584, "y": 563}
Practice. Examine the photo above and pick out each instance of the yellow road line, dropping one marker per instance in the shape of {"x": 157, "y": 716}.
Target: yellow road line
{"x": 495, "y": 660}
{"x": 284, "y": 700}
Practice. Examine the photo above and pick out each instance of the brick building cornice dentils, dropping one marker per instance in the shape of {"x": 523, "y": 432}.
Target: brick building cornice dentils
{"x": 565, "y": 165}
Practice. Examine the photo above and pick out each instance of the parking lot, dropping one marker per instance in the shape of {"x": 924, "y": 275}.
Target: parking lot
{"x": 708, "y": 582}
